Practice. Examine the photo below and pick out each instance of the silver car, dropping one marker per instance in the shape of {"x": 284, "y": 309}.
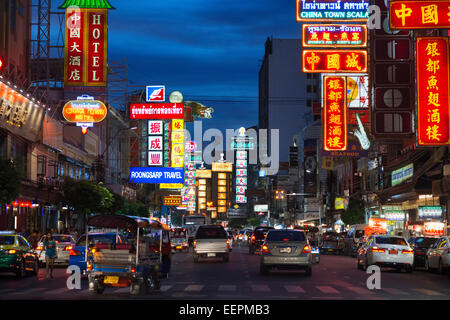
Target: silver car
{"x": 438, "y": 256}
{"x": 286, "y": 249}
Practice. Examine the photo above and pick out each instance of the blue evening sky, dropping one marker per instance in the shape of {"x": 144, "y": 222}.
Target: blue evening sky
{"x": 211, "y": 51}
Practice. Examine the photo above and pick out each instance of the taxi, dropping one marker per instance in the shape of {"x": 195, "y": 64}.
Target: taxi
{"x": 17, "y": 255}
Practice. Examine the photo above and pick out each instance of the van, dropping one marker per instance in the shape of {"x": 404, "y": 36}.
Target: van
{"x": 355, "y": 232}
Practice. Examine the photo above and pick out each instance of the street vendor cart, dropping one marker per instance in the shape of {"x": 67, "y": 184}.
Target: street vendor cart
{"x": 140, "y": 263}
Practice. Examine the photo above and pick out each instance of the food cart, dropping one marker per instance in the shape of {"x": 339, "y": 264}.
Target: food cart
{"x": 139, "y": 264}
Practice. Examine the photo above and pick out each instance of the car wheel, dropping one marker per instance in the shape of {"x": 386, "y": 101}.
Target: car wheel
{"x": 226, "y": 258}
{"x": 20, "y": 273}
{"x": 135, "y": 287}
{"x": 409, "y": 269}
{"x": 35, "y": 269}
{"x": 360, "y": 267}
{"x": 264, "y": 270}
{"x": 195, "y": 258}
{"x": 251, "y": 250}
{"x": 366, "y": 265}
{"x": 440, "y": 267}
{"x": 427, "y": 265}
{"x": 309, "y": 271}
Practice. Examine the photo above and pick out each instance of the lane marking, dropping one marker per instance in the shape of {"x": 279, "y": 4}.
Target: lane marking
{"x": 227, "y": 288}
{"x": 394, "y": 291}
{"x": 194, "y": 288}
{"x": 360, "y": 290}
{"x": 165, "y": 288}
{"x": 428, "y": 292}
{"x": 294, "y": 289}
{"x": 327, "y": 289}
{"x": 260, "y": 288}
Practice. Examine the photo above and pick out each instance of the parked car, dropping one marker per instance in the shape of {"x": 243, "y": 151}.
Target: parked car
{"x": 386, "y": 251}
{"x": 17, "y": 255}
{"x": 257, "y": 238}
{"x": 78, "y": 252}
{"x": 211, "y": 241}
{"x": 354, "y": 233}
{"x": 64, "y": 243}
{"x": 420, "y": 245}
{"x": 438, "y": 256}
{"x": 286, "y": 249}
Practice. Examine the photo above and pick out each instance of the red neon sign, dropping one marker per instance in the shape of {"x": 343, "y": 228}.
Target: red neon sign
{"x": 157, "y": 111}
{"x": 318, "y": 61}
{"x": 85, "y": 47}
{"x": 432, "y": 67}
{"x": 335, "y": 113}
{"x": 334, "y": 35}
{"x": 419, "y": 14}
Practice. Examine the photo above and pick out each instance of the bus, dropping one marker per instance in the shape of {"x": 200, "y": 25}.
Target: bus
{"x": 191, "y": 222}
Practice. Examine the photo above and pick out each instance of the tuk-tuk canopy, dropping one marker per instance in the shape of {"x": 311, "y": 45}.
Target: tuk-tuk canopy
{"x": 124, "y": 222}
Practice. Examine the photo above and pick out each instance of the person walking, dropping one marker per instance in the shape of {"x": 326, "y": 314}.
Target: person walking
{"x": 50, "y": 254}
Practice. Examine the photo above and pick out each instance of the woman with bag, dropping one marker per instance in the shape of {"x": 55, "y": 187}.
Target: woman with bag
{"x": 50, "y": 254}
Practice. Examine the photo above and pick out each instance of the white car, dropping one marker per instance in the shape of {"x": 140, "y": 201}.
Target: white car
{"x": 438, "y": 256}
{"x": 386, "y": 251}
{"x": 64, "y": 243}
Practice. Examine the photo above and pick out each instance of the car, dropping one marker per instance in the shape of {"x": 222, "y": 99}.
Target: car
{"x": 315, "y": 251}
{"x": 331, "y": 243}
{"x": 257, "y": 238}
{"x": 420, "y": 245}
{"x": 78, "y": 252}
{"x": 354, "y": 233}
{"x": 179, "y": 239}
{"x": 438, "y": 256}
{"x": 360, "y": 245}
{"x": 230, "y": 237}
{"x": 286, "y": 249}
{"x": 64, "y": 243}
{"x": 211, "y": 241}
{"x": 17, "y": 255}
{"x": 386, "y": 251}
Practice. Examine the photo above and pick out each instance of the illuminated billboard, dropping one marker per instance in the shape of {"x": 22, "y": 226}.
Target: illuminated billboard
{"x": 334, "y": 120}
{"x": 323, "y": 61}
{"x": 157, "y": 111}
{"x": 326, "y": 10}
{"x": 432, "y": 67}
{"x": 419, "y": 14}
{"x": 334, "y": 35}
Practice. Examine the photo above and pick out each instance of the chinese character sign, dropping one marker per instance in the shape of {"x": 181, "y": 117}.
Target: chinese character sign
{"x": 85, "y": 47}
{"x": 334, "y": 113}
{"x": 327, "y": 10}
{"x": 318, "y": 61}
{"x": 177, "y": 141}
{"x": 334, "y": 35}
{"x": 432, "y": 65}
{"x": 419, "y": 14}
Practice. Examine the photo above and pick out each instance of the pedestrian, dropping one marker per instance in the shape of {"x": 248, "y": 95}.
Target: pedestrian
{"x": 50, "y": 254}
{"x": 34, "y": 238}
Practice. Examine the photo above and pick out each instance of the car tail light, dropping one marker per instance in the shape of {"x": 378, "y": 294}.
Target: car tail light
{"x": 74, "y": 252}
{"x": 285, "y": 239}
{"x": 133, "y": 270}
{"x": 94, "y": 250}
{"x": 253, "y": 237}
{"x": 419, "y": 252}
{"x": 195, "y": 244}
{"x": 68, "y": 248}
{"x": 89, "y": 267}
{"x": 265, "y": 249}
{"x": 408, "y": 251}
{"x": 376, "y": 249}
{"x": 306, "y": 249}
{"x": 39, "y": 248}
{"x": 12, "y": 251}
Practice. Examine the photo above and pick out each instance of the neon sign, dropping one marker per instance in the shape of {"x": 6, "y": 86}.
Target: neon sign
{"x": 334, "y": 35}
{"x": 419, "y": 15}
{"x": 320, "y": 10}
{"x": 320, "y": 61}
{"x": 335, "y": 113}
{"x": 85, "y": 111}
{"x": 157, "y": 111}
{"x": 432, "y": 67}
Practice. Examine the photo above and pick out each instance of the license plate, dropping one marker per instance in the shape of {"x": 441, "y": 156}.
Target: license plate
{"x": 111, "y": 280}
{"x": 211, "y": 254}
{"x": 393, "y": 251}
{"x": 330, "y": 249}
{"x": 285, "y": 250}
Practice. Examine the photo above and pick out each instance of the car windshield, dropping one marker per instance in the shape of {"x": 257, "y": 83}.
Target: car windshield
{"x": 7, "y": 241}
{"x": 62, "y": 238}
{"x": 211, "y": 233}
{"x": 359, "y": 233}
{"x": 285, "y": 235}
{"x": 424, "y": 242}
{"x": 261, "y": 232}
{"x": 97, "y": 238}
{"x": 391, "y": 240}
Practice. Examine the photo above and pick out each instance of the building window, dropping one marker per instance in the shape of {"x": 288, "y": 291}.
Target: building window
{"x": 309, "y": 88}
{"x": 41, "y": 165}
{"x": 309, "y": 103}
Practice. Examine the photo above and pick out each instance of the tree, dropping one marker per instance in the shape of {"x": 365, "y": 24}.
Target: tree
{"x": 354, "y": 213}
{"x": 10, "y": 181}
{"x": 87, "y": 196}
{"x": 255, "y": 221}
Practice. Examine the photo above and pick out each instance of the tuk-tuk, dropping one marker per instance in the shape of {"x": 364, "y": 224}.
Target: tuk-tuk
{"x": 179, "y": 239}
{"x": 140, "y": 263}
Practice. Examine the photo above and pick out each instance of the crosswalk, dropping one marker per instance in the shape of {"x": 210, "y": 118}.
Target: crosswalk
{"x": 250, "y": 290}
